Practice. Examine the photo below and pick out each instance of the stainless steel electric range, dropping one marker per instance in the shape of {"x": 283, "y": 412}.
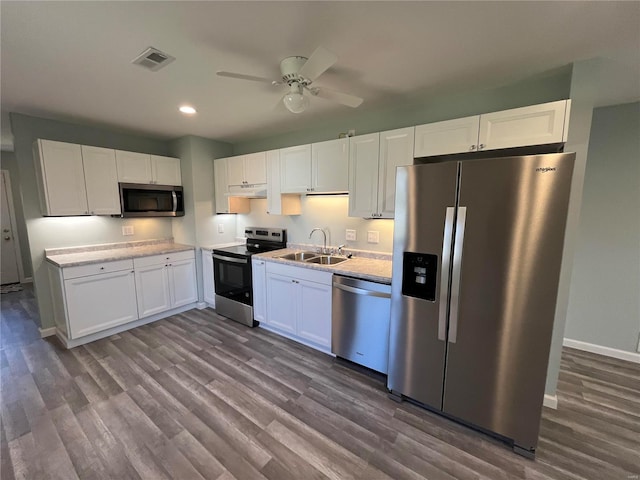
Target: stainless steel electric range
{"x": 232, "y": 272}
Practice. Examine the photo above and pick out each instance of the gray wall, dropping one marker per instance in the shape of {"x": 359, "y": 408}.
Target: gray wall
{"x": 8, "y": 162}
{"x": 199, "y": 224}
{"x": 48, "y": 232}
{"x": 604, "y": 300}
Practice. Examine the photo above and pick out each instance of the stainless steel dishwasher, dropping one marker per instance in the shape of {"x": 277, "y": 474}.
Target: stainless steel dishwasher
{"x": 360, "y": 321}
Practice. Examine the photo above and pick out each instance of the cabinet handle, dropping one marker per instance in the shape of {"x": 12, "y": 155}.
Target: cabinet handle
{"x": 481, "y": 146}
{"x": 472, "y": 147}
{"x": 101, "y": 268}
{"x": 133, "y": 271}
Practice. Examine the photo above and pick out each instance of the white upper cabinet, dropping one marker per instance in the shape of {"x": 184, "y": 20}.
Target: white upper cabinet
{"x": 542, "y": 124}
{"x": 330, "y": 166}
{"x": 364, "y": 151}
{"x": 444, "y": 138}
{"x": 101, "y": 180}
{"x": 373, "y": 160}
{"x": 295, "y": 169}
{"x": 248, "y": 169}
{"x": 278, "y": 203}
{"x": 396, "y": 150}
{"x": 144, "y": 168}
{"x": 519, "y": 127}
{"x": 60, "y": 177}
{"x": 165, "y": 170}
{"x": 224, "y": 202}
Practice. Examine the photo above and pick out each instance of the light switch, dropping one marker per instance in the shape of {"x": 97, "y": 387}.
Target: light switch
{"x": 373, "y": 236}
{"x": 221, "y": 228}
{"x": 350, "y": 235}
{"x": 127, "y": 230}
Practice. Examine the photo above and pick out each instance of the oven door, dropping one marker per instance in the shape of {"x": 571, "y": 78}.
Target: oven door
{"x": 232, "y": 277}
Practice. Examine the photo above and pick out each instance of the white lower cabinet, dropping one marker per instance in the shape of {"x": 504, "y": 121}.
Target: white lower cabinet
{"x": 164, "y": 282}
{"x": 208, "y": 287}
{"x": 298, "y": 303}
{"x": 90, "y": 299}
{"x": 258, "y": 278}
{"x": 102, "y": 301}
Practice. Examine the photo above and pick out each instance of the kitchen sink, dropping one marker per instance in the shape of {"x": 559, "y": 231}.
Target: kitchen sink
{"x": 299, "y": 256}
{"x": 327, "y": 259}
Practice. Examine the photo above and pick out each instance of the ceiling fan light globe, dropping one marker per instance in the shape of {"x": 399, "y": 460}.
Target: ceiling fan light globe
{"x": 295, "y": 102}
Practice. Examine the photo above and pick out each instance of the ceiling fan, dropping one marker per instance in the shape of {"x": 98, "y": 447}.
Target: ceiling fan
{"x": 298, "y": 73}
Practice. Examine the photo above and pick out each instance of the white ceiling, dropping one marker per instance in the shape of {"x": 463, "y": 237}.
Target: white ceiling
{"x": 71, "y": 60}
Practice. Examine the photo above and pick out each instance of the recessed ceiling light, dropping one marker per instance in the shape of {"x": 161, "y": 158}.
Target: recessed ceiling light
{"x": 187, "y": 110}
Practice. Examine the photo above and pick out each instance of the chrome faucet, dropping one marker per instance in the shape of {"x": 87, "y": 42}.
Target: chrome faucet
{"x": 324, "y": 245}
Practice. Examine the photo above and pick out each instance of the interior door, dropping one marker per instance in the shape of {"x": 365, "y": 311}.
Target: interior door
{"x": 9, "y": 267}
{"x": 511, "y": 251}
{"x": 425, "y": 197}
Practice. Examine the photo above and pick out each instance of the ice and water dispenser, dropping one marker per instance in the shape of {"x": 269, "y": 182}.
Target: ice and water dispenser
{"x": 419, "y": 275}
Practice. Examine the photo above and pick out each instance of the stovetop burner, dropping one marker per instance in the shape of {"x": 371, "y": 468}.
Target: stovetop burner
{"x": 259, "y": 240}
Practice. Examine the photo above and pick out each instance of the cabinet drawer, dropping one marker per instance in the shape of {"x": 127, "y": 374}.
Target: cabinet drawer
{"x": 300, "y": 273}
{"x": 164, "y": 258}
{"x": 96, "y": 269}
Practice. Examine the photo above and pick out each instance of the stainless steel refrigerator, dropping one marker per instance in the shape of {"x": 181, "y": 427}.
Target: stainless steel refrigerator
{"x": 476, "y": 263}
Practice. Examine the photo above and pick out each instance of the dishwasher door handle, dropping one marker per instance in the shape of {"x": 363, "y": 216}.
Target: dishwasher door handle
{"x": 361, "y": 291}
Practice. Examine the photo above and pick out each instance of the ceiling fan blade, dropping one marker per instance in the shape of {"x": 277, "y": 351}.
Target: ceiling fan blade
{"x": 343, "y": 98}
{"x": 248, "y": 77}
{"x": 319, "y": 61}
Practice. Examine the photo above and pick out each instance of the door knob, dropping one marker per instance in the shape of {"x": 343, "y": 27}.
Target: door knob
{"x": 6, "y": 230}
{"x": 7, "y": 237}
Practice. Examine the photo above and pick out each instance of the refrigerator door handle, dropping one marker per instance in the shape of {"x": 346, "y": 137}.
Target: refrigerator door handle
{"x": 444, "y": 273}
{"x": 456, "y": 272}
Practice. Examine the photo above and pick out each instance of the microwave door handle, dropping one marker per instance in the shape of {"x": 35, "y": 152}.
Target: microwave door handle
{"x": 174, "y": 197}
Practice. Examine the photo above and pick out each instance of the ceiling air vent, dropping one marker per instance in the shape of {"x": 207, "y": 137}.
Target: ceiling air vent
{"x": 153, "y": 59}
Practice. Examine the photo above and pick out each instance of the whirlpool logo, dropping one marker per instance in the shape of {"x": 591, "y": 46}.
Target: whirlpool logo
{"x": 545, "y": 169}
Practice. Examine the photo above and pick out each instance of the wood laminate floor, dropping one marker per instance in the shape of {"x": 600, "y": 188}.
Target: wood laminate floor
{"x": 196, "y": 396}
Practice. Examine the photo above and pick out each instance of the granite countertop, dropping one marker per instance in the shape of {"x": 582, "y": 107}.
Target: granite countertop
{"x": 372, "y": 269}
{"x": 75, "y": 256}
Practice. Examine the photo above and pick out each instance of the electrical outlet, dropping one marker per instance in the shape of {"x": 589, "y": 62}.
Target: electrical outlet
{"x": 127, "y": 230}
{"x": 221, "y": 228}
{"x": 350, "y": 235}
{"x": 373, "y": 236}
{"x": 638, "y": 346}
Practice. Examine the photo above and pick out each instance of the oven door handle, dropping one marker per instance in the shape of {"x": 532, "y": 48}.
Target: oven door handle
{"x": 230, "y": 259}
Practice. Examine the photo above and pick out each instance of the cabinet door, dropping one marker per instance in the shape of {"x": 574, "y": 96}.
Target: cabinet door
{"x": 295, "y": 169}
{"x": 99, "y": 302}
{"x": 255, "y": 168}
{"x": 330, "y": 166}
{"x": 182, "y": 282}
{"x": 396, "y": 149}
{"x": 152, "y": 289}
{"x": 62, "y": 174}
{"x": 519, "y": 127}
{"x": 314, "y": 312}
{"x": 235, "y": 170}
{"x": 443, "y": 138}
{"x": 221, "y": 185}
{"x": 281, "y": 306}
{"x": 259, "y": 279}
{"x": 207, "y": 278}
{"x": 101, "y": 179}
{"x": 134, "y": 167}
{"x": 363, "y": 175}
{"x": 165, "y": 170}
{"x": 277, "y": 203}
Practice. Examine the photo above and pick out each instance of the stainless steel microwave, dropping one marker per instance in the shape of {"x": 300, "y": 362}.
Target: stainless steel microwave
{"x": 141, "y": 200}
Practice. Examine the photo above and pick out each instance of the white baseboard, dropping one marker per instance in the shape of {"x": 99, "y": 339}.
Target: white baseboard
{"x": 47, "y": 332}
{"x": 27, "y": 280}
{"x": 606, "y": 351}
{"x": 201, "y": 305}
{"x": 550, "y": 401}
